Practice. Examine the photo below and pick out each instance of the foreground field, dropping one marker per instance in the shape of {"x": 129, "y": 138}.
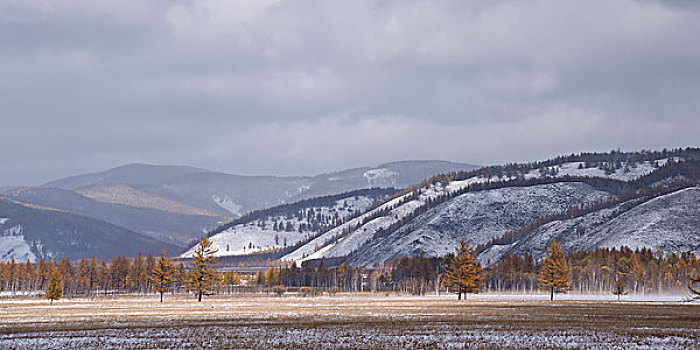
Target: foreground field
{"x": 355, "y": 322}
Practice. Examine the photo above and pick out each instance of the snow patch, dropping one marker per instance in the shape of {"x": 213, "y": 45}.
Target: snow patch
{"x": 379, "y": 176}
{"x": 261, "y": 235}
{"x": 228, "y": 205}
{"x": 14, "y": 246}
{"x": 669, "y": 223}
{"x": 627, "y": 172}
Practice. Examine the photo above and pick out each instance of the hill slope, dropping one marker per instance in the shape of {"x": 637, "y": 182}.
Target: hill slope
{"x": 670, "y": 223}
{"x": 33, "y": 233}
{"x": 487, "y": 203}
{"x": 170, "y": 227}
{"x": 478, "y": 216}
{"x": 123, "y": 194}
{"x": 285, "y": 226}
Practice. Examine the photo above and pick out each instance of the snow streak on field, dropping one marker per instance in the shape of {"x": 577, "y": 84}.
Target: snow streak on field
{"x": 358, "y": 322}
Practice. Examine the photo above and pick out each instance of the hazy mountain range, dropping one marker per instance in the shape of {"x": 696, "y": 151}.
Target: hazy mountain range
{"x": 585, "y": 201}
{"x": 176, "y": 205}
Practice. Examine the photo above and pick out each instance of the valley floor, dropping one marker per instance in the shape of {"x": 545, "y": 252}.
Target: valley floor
{"x": 358, "y": 321}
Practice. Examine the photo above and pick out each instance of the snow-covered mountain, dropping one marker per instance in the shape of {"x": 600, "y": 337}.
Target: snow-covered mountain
{"x": 288, "y": 225}
{"x": 178, "y": 204}
{"x": 487, "y": 203}
{"x": 669, "y": 223}
{"x": 440, "y": 203}
{"x": 478, "y": 216}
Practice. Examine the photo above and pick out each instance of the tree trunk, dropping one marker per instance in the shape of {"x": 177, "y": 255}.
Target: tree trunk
{"x": 551, "y": 295}
{"x": 161, "y": 297}
{"x": 199, "y": 296}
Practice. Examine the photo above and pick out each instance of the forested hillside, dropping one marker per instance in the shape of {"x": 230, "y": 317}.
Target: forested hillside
{"x": 495, "y": 206}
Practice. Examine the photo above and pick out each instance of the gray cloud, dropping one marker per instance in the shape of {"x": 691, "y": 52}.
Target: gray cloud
{"x": 299, "y": 87}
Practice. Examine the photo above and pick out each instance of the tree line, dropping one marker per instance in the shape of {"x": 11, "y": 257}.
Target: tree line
{"x": 617, "y": 271}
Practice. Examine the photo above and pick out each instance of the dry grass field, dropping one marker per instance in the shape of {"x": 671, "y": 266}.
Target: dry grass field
{"x": 346, "y": 322}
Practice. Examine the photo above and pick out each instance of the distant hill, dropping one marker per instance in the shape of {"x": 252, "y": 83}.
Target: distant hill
{"x": 123, "y": 194}
{"x": 130, "y": 174}
{"x": 171, "y": 227}
{"x": 229, "y": 195}
{"x": 31, "y": 233}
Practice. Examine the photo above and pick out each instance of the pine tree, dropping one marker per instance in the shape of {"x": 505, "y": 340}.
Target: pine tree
{"x": 202, "y": 276}
{"x": 55, "y": 289}
{"x": 554, "y": 274}
{"x": 463, "y": 271}
{"x": 162, "y": 274}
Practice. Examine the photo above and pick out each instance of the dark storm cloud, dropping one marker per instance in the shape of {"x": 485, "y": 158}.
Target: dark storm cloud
{"x": 298, "y": 87}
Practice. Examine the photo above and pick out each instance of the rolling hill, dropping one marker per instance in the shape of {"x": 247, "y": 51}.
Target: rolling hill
{"x": 486, "y": 204}
{"x": 167, "y": 226}
{"x": 228, "y": 195}
{"x": 31, "y": 233}
{"x": 285, "y": 226}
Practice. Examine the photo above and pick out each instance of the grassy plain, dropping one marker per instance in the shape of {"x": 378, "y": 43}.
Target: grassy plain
{"x": 346, "y": 322}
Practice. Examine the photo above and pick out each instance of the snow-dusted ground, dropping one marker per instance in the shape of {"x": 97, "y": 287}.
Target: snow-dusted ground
{"x": 253, "y": 237}
{"x": 352, "y": 322}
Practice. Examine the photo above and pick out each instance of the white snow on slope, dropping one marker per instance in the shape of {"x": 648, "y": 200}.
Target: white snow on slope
{"x": 573, "y": 234}
{"x": 261, "y": 235}
{"x": 478, "y": 216}
{"x": 3, "y": 221}
{"x": 228, "y": 205}
{"x": 14, "y": 246}
{"x": 629, "y": 173}
{"x": 366, "y": 232}
{"x": 670, "y": 223}
{"x": 328, "y": 242}
{"x": 379, "y": 177}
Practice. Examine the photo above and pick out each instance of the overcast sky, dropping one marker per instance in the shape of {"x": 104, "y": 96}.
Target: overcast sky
{"x": 302, "y": 87}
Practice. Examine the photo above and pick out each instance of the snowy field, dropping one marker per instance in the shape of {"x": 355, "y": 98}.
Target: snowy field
{"x": 348, "y": 322}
